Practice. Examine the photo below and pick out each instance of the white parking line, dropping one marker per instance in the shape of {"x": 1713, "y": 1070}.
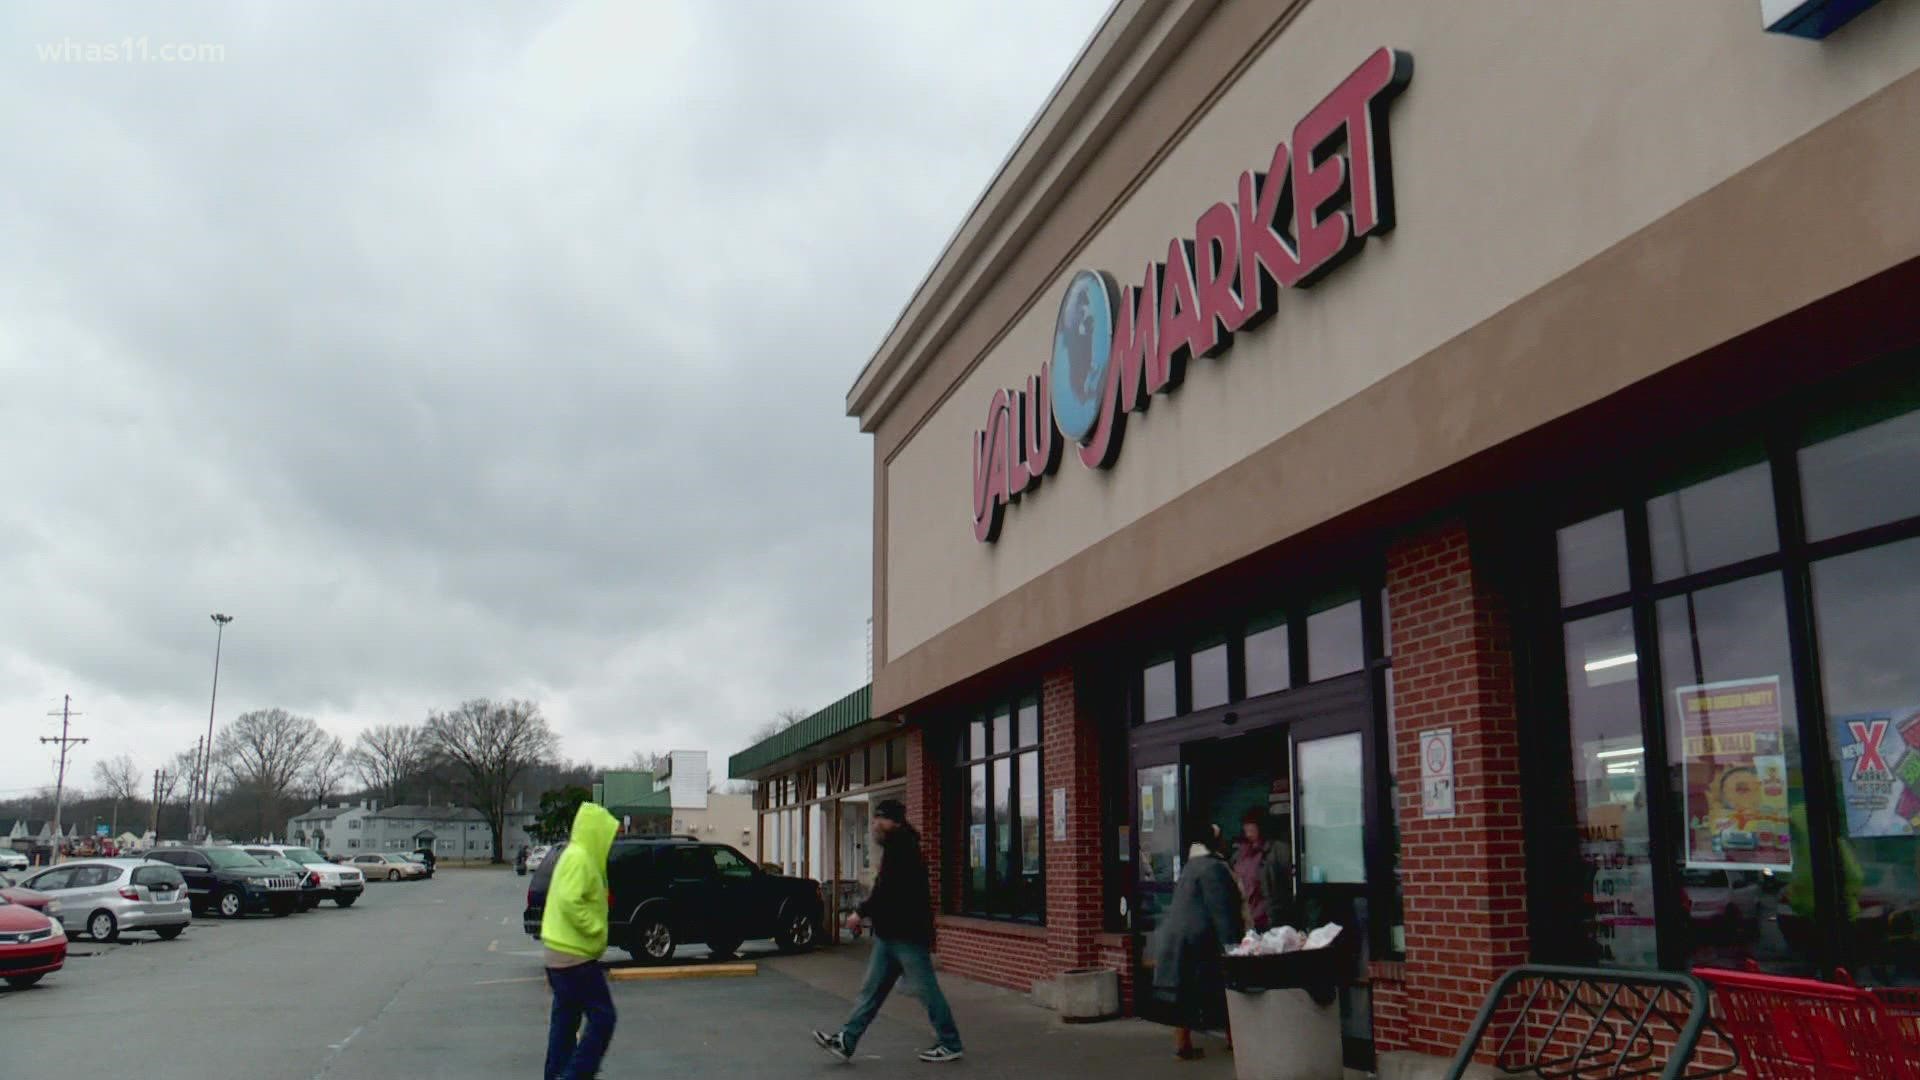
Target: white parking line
{"x": 494, "y": 945}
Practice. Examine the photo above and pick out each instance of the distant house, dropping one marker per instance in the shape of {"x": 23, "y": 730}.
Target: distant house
{"x": 459, "y": 832}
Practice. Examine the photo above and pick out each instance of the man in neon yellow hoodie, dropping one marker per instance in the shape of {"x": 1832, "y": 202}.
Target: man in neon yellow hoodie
{"x": 573, "y": 927}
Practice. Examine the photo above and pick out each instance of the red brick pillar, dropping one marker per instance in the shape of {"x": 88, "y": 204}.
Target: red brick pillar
{"x": 923, "y": 809}
{"x": 1464, "y": 876}
{"x": 1075, "y": 891}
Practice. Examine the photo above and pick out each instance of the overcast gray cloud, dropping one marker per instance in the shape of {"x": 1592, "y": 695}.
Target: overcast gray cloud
{"x": 465, "y": 350}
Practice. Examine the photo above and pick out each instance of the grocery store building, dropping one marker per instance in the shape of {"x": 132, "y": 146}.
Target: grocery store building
{"x": 1525, "y": 523}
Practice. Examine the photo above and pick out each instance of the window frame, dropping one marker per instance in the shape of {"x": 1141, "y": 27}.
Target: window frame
{"x": 998, "y": 900}
{"x": 1775, "y": 437}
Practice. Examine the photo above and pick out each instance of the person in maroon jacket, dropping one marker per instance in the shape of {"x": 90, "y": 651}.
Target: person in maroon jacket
{"x": 901, "y": 908}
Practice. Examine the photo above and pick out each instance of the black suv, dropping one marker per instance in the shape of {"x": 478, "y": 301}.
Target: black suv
{"x": 668, "y": 891}
{"x": 230, "y": 881}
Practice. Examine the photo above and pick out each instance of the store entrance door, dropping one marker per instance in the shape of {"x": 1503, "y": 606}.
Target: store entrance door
{"x": 1226, "y": 765}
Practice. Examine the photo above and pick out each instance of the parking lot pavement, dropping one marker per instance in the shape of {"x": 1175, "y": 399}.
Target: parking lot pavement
{"x": 437, "y": 979}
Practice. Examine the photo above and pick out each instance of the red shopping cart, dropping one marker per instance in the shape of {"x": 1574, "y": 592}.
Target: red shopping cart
{"x": 1787, "y": 1028}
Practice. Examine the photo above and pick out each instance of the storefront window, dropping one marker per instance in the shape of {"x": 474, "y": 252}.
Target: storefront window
{"x": 1269, "y": 663}
{"x": 1862, "y": 478}
{"x": 1593, "y": 559}
{"x": 1759, "y": 850}
{"x": 1210, "y": 677}
{"x": 1001, "y": 836}
{"x": 1334, "y": 643}
{"x": 1610, "y": 789}
{"x": 1865, "y": 605}
{"x": 1733, "y": 748}
{"x": 1715, "y": 523}
{"x": 1159, "y": 697}
{"x": 1332, "y": 799}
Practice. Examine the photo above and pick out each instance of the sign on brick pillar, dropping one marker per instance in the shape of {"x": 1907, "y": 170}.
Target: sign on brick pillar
{"x": 1070, "y": 743}
{"x": 923, "y": 808}
{"x": 1464, "y": 875}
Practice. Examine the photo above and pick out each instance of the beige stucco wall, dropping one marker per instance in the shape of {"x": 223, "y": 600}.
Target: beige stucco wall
{"x": 1533, "y": 137}
{"x": 728, "y": 819}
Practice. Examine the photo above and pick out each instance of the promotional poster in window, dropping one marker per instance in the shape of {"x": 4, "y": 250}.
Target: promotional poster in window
{"x": 1734, "y": 768}
{"x": 1879, "y": 756}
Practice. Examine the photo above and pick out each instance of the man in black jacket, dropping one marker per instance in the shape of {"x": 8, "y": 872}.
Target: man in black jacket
{"x": 901, "y": 907}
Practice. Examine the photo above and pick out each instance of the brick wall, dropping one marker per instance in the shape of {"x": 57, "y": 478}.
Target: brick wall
{"x": 923, "y": 808}
{"x": 1464, "y": 877}
{"x": 1070, "y": 740}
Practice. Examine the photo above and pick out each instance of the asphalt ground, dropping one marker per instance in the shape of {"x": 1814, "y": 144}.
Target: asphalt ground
{"x": 437, "y": 979}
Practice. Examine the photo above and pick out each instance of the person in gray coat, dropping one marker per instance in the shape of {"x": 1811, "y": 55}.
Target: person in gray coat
{"x": 1200, "y": 926}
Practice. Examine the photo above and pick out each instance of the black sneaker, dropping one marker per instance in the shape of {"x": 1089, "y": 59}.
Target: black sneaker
{"x": 939, "y": 1054}
{"x": 835, "y": 1044}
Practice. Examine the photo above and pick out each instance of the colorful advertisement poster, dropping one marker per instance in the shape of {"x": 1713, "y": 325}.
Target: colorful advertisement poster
{"x": 1879, "y": 756}
{"x": 1734, "y": 771}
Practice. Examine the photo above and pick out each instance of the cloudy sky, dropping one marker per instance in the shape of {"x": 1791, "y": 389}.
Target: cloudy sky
{"x": 457, "y": 350}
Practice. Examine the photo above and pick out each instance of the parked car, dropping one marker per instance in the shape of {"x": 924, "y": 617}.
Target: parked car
{"x": 106, "y": 897}
{"x": 538, "y": 856}
{"x": 423, "y": 857}
{"x": 20, "y": 894}
{"x": 669, "y": 891}
{"x": 309, "y": 881}
{"x": 230, "y": 881}
{"x": 13, "y": 860}
{"x": 340, "y": 884}
{"x": 1720, "y": 900}
{"x": 388, "y": 866}
{"x": 31, "y": 944}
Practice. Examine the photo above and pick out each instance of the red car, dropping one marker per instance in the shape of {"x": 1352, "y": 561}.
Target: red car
{"x": 31, "y": 945}
{"x": 38, "y": 901}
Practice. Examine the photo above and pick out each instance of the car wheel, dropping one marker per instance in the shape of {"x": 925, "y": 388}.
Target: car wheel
{"x": 722, "y": 950}
{"x": 168, "y": 933}
{"x": 345, "y": 901}
{"x": 102, "y": 926}
{"x": 653, "y": 942}
{"x": 231, "y": 905}
{"x": 21, "y": 982}
{"x": 393, "y": 875}
{"x": 799, "y": 934}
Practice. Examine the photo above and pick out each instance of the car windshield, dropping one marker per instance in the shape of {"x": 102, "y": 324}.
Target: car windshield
{"x": 229, "y": 859}
{"x": 304, "y": 855}
{"x": 278, "y": 862}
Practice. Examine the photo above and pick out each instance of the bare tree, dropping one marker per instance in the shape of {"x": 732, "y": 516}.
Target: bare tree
{"x": 262, "y": 755}
{"x": 492, "y": 743}
{"x": 647, "y": 761}
{"x": 329, "y": 767}
{"x": 119, "y": 780}
{"x": 781, "y": 721}
{"x": 388, "y": 757}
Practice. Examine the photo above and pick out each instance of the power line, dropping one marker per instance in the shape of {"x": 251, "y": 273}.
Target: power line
{"x": 66, "y": 715}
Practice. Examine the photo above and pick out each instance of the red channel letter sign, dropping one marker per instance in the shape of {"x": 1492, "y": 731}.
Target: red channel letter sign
{"x": 1324, "y": 192}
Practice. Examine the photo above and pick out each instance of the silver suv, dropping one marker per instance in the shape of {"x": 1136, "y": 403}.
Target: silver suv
{"x": 104, "y": 897}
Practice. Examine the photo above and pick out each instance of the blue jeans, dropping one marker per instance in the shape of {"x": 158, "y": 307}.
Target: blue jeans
{"x": 890, "y": 960}
{"x": 578, "y": 991}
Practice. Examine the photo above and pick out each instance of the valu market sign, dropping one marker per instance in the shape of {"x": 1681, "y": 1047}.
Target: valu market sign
{"x": 1326, "y": 190}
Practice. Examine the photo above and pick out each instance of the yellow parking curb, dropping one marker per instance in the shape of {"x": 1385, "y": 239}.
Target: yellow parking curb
{"x": 690, "y": 971}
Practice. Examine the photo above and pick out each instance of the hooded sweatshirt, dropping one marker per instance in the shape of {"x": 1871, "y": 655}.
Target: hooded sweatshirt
{"x": 573, "y": 925}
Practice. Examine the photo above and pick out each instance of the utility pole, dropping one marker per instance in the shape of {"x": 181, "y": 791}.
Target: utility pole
{"x": 66, "y": 715}
{"x": 159, "y": 778}
{"x": 193, "y": 789}
{"x": 206, "y": 772}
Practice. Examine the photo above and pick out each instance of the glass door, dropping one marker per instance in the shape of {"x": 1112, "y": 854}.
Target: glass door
{"x": 1158, "y": 859}
{"x": 1336, "y": 841}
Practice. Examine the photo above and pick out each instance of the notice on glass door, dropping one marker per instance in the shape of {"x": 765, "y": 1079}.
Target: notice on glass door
{"x": 1879, "y": 756}
{"x": 1734, "y": 769}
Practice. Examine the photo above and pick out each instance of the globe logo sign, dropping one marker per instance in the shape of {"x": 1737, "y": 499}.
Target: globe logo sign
{"x": 1082, "y": 346}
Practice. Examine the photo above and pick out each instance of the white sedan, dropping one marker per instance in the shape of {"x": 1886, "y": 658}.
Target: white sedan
{"x": 12, "y": 860}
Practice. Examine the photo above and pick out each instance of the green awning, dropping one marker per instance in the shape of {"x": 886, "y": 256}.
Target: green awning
{"x": 837, "y": 719}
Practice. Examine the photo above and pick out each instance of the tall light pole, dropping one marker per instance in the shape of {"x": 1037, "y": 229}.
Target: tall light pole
{"x": 206, "y": 760}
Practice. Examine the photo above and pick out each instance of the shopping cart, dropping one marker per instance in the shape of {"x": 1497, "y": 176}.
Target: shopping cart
{"x": 1787, "y": 1028}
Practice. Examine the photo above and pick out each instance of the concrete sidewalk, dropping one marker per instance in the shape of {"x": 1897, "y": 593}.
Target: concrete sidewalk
{"x": 1005, "y": 1033}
